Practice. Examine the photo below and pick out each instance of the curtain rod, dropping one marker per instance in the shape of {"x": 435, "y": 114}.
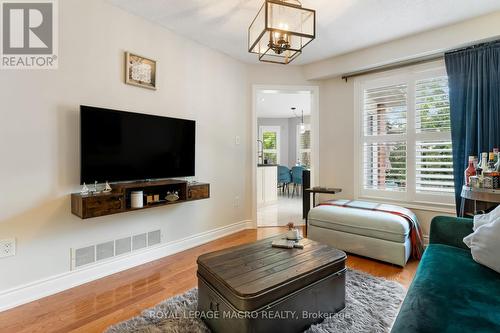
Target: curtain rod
{"x": 418, "y": 60}
{"x": 394, "y": 65}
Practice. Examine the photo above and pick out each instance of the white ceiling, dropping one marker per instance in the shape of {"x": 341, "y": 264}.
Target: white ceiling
{"x": 278, "y": 104}
{"x": 342, "y": 25}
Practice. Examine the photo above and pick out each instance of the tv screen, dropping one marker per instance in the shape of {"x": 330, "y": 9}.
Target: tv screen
{"x": 124, "y": 146}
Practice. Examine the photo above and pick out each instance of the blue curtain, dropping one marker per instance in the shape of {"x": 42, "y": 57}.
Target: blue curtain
{"x": 474, "y": 81}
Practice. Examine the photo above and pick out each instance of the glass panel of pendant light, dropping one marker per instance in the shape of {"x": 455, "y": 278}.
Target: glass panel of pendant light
{"x": 289, "y": 16}
{"x": 256, "y": 30}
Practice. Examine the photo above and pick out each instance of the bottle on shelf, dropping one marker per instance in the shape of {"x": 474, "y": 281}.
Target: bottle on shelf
{"x": 497, "y": 164}
{"x": 479, "y": 169}
{"x": 470, "y": 171}
{"x": 484, "y": 164}
{"x": 491, "y": 162}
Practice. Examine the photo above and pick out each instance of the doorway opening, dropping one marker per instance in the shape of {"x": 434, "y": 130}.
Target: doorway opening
{"x": 285, "y": 132}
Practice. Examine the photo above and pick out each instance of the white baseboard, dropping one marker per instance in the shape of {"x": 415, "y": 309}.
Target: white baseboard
{"x": 42, "y": 288}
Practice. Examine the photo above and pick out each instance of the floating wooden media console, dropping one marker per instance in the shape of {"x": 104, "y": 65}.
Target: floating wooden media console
{"x": 118, "y": 201}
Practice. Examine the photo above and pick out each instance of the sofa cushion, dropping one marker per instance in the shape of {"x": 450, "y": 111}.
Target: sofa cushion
{"x": 451, "y": 293}
{"x": 368, "y": 223}
{"x": 485, "y": 245}
{"x": 483, "y": 219}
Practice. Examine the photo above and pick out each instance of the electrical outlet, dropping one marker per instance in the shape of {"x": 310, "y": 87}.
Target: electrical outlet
{"x": 236, "y": 201}
{"x": 7, "y": 247}
{"x": 237, "y": 140}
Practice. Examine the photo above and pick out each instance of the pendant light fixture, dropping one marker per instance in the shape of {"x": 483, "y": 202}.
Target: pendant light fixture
{"x": 302, "y": 126}
{"x": 281, "y": 29}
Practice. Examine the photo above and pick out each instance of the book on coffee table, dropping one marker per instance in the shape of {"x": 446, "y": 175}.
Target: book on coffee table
{"x": 287, "y": 244}
{"x": 283, "y": 243}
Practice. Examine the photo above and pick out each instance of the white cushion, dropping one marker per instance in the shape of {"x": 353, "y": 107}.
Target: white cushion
{"x": 483, "y": 219}
{"x": 485, "y": 244}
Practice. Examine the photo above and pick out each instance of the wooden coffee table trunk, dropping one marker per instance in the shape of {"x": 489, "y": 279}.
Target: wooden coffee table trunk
{"x": 258, "y": 288}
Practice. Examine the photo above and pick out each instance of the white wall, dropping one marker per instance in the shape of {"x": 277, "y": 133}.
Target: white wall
{"x": 429, "y": 42}
{"x": 39, "y": 139}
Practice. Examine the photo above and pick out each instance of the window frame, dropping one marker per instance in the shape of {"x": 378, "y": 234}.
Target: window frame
{"x": 299, "y": 150}
{"x": 409, "y": 76}
{"x": 277, "y": 129}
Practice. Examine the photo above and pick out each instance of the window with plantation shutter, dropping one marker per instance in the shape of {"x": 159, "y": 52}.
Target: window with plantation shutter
{"x": 405, "y": 151}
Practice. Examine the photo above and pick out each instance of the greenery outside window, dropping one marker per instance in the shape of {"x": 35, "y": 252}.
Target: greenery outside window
{"x": 270, "y": 137}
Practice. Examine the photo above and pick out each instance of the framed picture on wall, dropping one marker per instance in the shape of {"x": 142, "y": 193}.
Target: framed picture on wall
{"x": 140, "y": 71}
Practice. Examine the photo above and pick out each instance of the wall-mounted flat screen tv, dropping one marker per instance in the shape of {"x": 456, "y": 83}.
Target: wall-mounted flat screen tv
{"x": 125, "y": 146}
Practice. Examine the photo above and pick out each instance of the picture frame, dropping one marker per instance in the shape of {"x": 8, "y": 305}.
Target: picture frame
{"x": 140, "y": 71}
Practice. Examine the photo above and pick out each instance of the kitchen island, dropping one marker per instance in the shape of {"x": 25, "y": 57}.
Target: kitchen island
{"x": 267, "y": 184}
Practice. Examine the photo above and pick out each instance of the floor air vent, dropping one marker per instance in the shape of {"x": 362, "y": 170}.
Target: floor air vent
{"x": 95, "y": 253}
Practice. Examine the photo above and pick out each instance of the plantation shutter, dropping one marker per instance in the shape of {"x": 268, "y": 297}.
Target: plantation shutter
{"x": 434, "y": 160}
{"x": 384, "y": 128}
{"x": 385, "y": 166}
{"x": 385, "y": 110}
{"x": 434, "y": 167}
{"x": 304, "y": 149}
{"x": 432, "y": 106}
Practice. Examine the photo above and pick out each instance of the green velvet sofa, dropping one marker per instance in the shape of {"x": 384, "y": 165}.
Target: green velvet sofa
{"x": 450, "y": 291}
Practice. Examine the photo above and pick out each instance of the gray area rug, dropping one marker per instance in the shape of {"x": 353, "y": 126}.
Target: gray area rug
{"x": 371, "y": 306}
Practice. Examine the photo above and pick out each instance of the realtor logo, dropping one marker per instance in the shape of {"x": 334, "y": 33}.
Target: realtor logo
{"x": 29, "y": 34}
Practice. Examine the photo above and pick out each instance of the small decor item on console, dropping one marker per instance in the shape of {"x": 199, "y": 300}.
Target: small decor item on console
{"x": 85, "y": 189}
{"x": 293, "y": 233}
{"x": 172, "y": 196}
{"x": 136, "y": 199}
{"x": 107, "y": 188}
{"x": 94, "y": 190}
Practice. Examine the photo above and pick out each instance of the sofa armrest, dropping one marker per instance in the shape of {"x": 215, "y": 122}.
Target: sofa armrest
{"x": 449, "y": 230}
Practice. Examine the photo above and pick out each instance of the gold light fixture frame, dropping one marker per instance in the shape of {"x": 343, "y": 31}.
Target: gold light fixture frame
{"x": 264, "y": 50}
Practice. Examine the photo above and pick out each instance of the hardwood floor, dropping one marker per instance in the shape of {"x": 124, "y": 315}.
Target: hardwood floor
{"x": 94, "y": 306}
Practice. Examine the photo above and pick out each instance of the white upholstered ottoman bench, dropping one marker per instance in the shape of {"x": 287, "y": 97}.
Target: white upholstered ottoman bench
{"x": 383, "y": 232}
